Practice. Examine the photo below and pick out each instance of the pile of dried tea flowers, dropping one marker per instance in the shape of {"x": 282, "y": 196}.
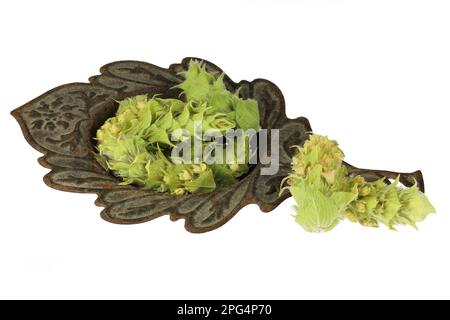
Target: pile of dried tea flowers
{"x": 326, "y": 193}
{"x": 136, "y": 143}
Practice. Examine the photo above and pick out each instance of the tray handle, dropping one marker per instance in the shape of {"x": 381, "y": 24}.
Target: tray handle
{"x": 407, "y": 179}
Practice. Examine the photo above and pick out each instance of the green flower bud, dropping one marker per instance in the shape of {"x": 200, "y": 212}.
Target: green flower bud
{"x": 199, "y": 168}
{"x": 350, "y": 215}
{"x": 365, "y": 191}
{"x": 179, "y": 192}
{"x": 360, "y": 206}
{"x": 185, "y": 175}
{"x": 370, "y": 223}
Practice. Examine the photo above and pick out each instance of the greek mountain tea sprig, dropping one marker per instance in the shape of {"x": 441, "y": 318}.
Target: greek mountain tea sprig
{"x": 326, "y": 194}
{"x": 136, "y": 143}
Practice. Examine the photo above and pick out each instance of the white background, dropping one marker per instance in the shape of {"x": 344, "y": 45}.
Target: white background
{"x": 375, "y": 75}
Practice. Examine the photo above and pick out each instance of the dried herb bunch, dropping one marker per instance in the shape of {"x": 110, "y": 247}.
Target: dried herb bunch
{"x": 136, "y": 143}
{"x": 326, "y": 194}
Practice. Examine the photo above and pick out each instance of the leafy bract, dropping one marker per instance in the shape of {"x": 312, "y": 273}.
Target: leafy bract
{"x": 246, "y": 114}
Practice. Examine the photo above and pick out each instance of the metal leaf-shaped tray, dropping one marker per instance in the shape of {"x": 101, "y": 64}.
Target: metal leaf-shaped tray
{"x": 61, "y": 124}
